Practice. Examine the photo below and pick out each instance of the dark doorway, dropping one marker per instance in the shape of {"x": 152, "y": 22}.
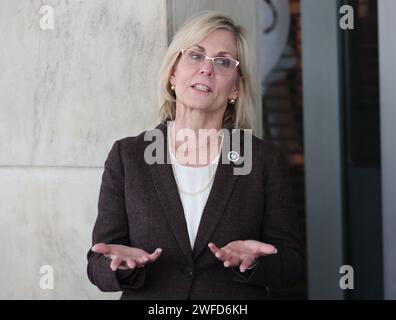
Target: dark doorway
{"x": 361, "y": 154}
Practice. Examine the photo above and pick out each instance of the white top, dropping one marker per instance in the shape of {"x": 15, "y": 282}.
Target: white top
{"x": 191, "y": 181}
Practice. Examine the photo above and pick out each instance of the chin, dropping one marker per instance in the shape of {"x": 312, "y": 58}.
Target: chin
{"x": 199, "y": 105}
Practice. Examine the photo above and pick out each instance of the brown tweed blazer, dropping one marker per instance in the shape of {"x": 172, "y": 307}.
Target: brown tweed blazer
{"x": 139, "y": 206}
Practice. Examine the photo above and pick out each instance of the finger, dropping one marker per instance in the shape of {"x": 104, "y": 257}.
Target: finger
{"x": 213, "y": 247}
{"x": 242, "y": 268}
{"x": 223, "y": 255}
{"x": 267, "y": 249}
{"x": 131, "y": 263}
{"x": 232, "y": 261}
{"x": 101, "y": 248}
{"x": 227, "y": 264}
{"x": 155, "y": 255}
{"x": 115, "y": 263}
{"x": 220, "y": 254}
{"x": 230, "y": 255}
{"x": 246, "y": 263}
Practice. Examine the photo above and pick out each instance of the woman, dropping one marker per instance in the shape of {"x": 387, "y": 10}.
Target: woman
{"x": 194, "y": 229}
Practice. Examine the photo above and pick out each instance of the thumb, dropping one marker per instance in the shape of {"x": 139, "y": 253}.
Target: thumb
{"x": 101, "y": 248}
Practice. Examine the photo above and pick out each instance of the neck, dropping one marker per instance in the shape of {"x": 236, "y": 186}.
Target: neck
{"x": 196, "y": 137}
{"x": 193, "y": 119}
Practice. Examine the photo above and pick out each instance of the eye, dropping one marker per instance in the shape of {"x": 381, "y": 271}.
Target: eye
{"x": 223, "y": 62}
{"x": 195, "y": 56}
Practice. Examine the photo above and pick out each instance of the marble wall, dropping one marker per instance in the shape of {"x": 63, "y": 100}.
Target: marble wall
{"x": 66, "y": 94}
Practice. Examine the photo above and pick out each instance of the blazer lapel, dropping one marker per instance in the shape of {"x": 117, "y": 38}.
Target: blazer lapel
{"x": 165, "y": 185}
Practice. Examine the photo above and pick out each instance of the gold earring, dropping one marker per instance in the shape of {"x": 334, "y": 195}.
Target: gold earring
{"x": 173, "y": 87}
{"x": 231, "y": 101}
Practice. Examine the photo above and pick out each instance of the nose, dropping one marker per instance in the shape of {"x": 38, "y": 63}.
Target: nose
{"x": 206, "y": 68}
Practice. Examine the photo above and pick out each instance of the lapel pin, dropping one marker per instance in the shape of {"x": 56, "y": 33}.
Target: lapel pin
{"x": 233, "y": 156}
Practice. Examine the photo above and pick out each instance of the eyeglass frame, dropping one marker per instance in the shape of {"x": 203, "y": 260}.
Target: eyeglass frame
{"x": 210, "y": 58}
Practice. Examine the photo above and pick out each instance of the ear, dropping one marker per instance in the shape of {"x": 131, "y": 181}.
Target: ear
{"x": 235, "y": 94}
{"x": 172, "y": 79}
{"x": 235, "y": 91}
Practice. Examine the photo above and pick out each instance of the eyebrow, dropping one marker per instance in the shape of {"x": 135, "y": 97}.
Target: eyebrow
{"x": 219, "y": 53}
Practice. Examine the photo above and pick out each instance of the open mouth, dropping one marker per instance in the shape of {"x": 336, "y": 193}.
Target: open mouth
{"x": 201, "y": 87}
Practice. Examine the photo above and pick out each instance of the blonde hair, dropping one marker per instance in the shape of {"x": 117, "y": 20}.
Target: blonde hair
{"x": 192, "y": 32}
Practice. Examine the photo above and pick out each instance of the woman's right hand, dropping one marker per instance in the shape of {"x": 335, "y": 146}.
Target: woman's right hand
{"x": 123, "y": 257}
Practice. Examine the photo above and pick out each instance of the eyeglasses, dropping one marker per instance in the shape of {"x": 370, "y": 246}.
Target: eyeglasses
{"x": 221, "y": 65}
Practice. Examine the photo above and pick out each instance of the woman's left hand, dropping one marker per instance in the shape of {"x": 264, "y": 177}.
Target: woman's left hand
{"x": 242, "y": 253}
